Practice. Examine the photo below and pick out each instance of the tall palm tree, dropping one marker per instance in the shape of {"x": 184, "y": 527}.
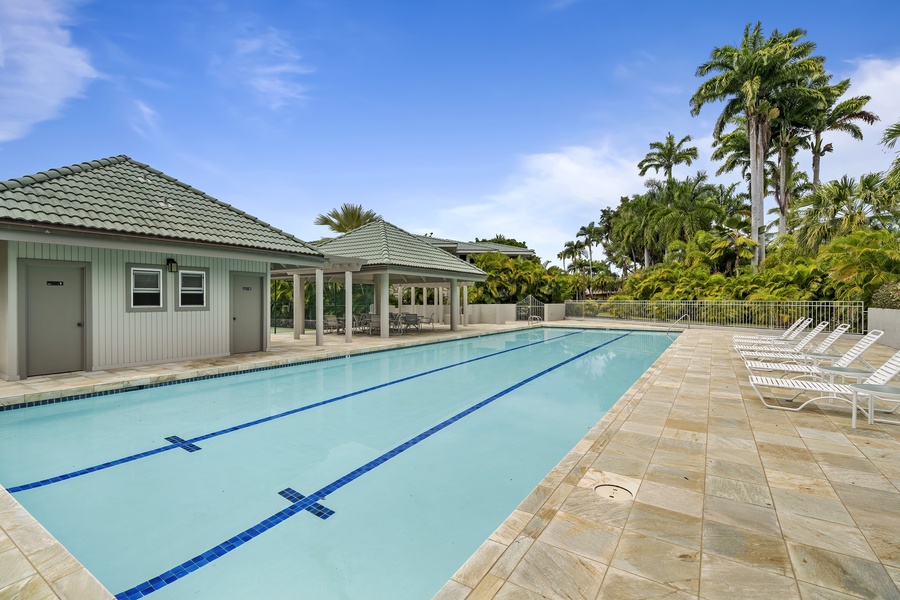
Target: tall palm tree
{"x": 749, "y": 78}
{"x": 592, "y": 235}
{"x": 347, "y": 218}
{"x": 797, "y": 104}
{"x": 665, "y": 155}
{"x": 836, "y": 117}
{"x": 890, "y": 137}
{"x": 574, "y": 249}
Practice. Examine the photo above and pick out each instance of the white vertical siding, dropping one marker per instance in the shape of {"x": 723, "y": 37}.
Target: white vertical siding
{"x": 122, "y": 338}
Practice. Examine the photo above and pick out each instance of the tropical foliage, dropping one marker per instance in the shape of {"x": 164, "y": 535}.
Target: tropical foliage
{"x": 690, "y": 238}
{"x": 346, "y": 218}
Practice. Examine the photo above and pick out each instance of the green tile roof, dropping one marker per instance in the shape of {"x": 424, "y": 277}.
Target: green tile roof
{"x": 119, "y": 195}
{"x": 474, "y": 247}
{"x": 381, "y": 243}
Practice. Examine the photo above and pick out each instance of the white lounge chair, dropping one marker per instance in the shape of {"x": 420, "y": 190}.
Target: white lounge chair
{"x": 817, "y": 355}
{"x": 830, "y": 391}
{"x": 840, "y": 367}
{"x": 798, "y": 347}
{"x": 789, "y": 334}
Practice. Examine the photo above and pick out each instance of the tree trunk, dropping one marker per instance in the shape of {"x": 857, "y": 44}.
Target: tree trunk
{"x": 784, "y": 199}
{"x": 755, "y": 135}
{"x": 646, "y": 257}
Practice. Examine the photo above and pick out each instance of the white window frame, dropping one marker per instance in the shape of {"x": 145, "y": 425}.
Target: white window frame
{"x": 204, "y": 289}
{"x": 133, "y": 289}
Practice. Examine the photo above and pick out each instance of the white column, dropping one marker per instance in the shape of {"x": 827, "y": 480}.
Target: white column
{"x": 439, "y": 303}
{"x": 454, "y": 305}
{"x": 385, "y": 306}
{"x": 465, "y": 300}
{"x": 299, "y": 305}
{"x": 348, "y": 306}
{"x": 320, "y": 307}
{"x": 399, "y": 299}
{"x": 412, "y": 299}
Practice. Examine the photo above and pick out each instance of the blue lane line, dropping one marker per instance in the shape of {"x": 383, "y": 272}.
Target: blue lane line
{"x": 193, "y": 441}
{"x": 172, "y": 575}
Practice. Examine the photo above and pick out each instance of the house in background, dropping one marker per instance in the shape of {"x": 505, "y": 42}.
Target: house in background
{"x": 111, "y": 263}
{"x": 468, "y": 250}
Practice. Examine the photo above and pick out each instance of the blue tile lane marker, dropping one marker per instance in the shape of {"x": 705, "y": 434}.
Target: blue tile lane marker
{"x": 148, "y": 587}
{"x": 315, "y": 508}
{"x": 182, "y": 444}
{"x": 192, "y": 441}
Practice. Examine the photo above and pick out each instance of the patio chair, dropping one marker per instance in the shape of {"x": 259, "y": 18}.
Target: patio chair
{"x": 395, "y": 323}
{"x": 800, "y": 357}
{"x": 427, "y": 321}
{"x": 817, "y": 358}
{"x": 789, "y": 333}
{"x": 331, "y": 324}
{"x": 373, "y": 323}
{"x": 410, "y": 321}
{"x": 798, "y": 347}
{"x": 840, "y": 367}
{"x": 832, "y": 391}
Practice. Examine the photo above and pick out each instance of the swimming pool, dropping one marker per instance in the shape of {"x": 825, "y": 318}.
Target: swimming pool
{"x": 374, "y": 476}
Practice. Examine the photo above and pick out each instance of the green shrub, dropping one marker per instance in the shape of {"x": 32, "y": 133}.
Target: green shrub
{"x": 887, "y": 296}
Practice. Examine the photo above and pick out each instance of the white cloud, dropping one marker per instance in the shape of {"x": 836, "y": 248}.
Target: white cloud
{"x": 145, "y": 121}
{"x": 39, "y": 66}
{"x": 268, "y": 65}
{"x": 548, "y": 198}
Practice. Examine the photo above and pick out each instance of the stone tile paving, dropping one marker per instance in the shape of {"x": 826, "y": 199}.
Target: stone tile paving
{"x": 723, "y": 498}
{"x": 730, "y": 499}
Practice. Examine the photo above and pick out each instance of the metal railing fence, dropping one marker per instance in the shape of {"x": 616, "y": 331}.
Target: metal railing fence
{"x": 727, "y": 313}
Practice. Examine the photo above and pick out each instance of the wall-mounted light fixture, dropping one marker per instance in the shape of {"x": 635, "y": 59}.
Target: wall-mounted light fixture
{"x": 171, "y": 265}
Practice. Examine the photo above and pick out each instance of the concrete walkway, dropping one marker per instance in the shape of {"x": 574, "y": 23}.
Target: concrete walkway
{"x": 716, "y": 496}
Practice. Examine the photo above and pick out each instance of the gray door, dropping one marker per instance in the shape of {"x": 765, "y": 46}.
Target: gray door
{"x": 246, "y": 313}
{"x": 55, "y": 327}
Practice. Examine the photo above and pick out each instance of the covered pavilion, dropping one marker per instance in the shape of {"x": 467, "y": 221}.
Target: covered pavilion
{"x": 382, "y": 255}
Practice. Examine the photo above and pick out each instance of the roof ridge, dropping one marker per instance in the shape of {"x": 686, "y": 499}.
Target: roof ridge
{"x": 56, "y": 173}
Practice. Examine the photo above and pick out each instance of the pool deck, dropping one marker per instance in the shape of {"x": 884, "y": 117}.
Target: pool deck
{"x": 718, "y": 497}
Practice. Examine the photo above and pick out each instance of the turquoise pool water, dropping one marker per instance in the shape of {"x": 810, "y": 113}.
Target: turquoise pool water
{"x": 373, "y": 476}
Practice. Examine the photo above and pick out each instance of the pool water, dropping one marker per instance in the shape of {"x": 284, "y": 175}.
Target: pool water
{"x": 373, "y": 476}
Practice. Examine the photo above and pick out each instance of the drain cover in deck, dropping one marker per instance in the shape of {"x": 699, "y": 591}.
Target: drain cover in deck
{"x": 616, "y": 493}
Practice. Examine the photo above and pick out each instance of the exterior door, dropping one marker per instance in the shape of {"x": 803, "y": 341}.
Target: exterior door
{"x": 55, "y": 322}
{"x": 246, "y": 313}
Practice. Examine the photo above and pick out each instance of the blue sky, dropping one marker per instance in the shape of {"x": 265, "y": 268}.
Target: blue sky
{"x": 462, "y": 118}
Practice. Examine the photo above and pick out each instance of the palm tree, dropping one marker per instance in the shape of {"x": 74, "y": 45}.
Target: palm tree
{"x": 890, "y": 137}
{"x": 636, "y": 226}
{"x": 574, "y": 249}
{"x": 836, "y": 117}
{"x": 733, "y": 240}
{"x": 592, "y": 236}
{"x": 838, "y": 208}
{"x": 665, "y": 155}
{"x": 690, "y": 206}
{"x": 749, "y": 79}
{"x": 797, "y": 104}
{"x": 347, "y": 218}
